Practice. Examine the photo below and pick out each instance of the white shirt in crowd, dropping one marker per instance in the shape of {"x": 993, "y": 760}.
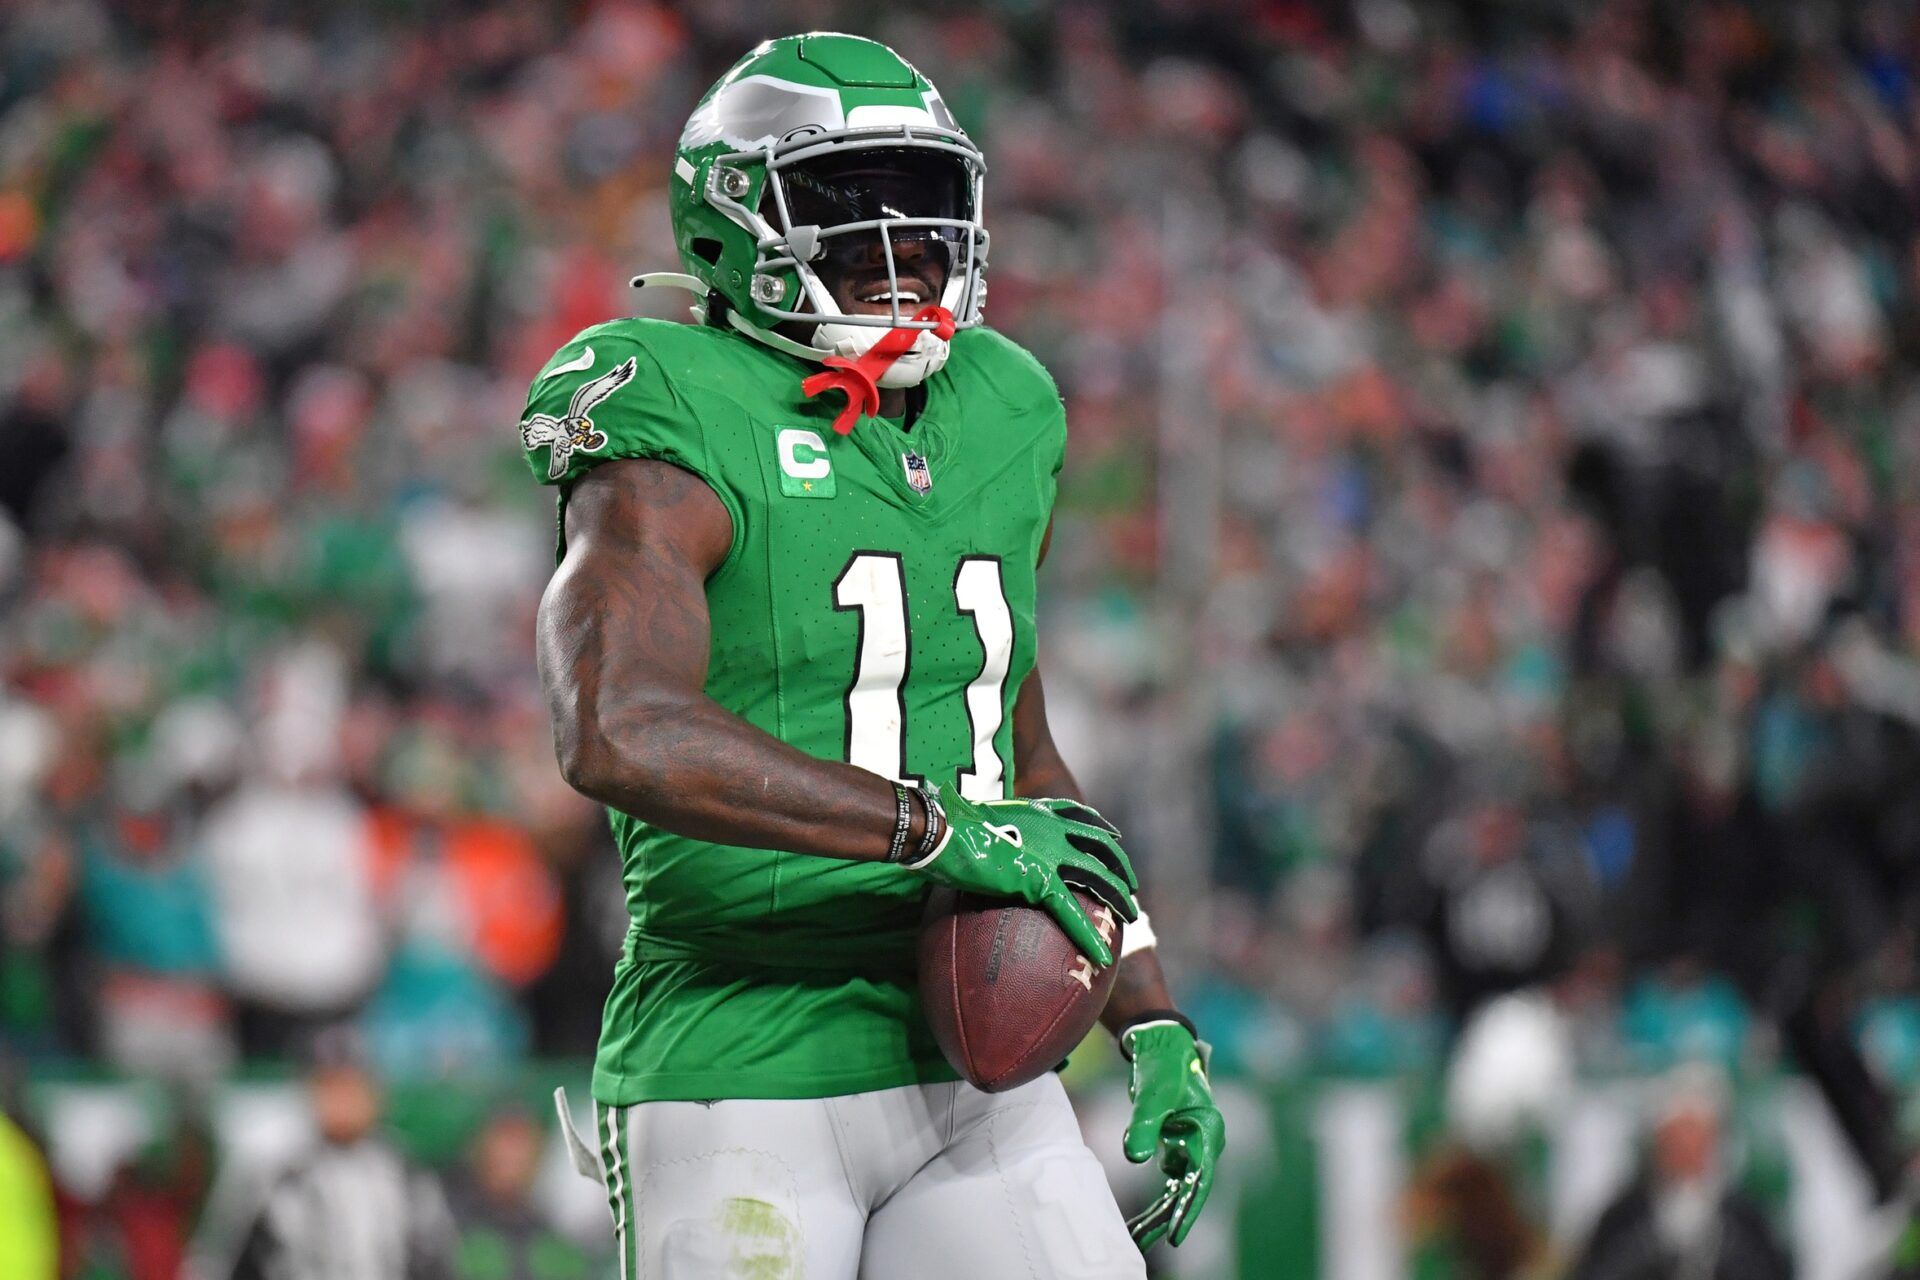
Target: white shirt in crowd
{"x": 293, "y": 892}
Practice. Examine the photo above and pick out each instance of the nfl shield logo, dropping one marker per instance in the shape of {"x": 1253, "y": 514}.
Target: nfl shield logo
{"x": 917, "y": 474}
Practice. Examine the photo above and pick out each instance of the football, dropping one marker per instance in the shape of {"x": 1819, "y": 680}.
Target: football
{"x": 1007, "y": 994}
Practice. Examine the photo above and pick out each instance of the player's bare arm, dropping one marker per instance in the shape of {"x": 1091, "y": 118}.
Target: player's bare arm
{"x": 1039, "y": 770}
{"x": 623, "y": 644}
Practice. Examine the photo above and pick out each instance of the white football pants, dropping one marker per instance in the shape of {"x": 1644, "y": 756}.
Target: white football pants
{"x": 925, "y": 1182}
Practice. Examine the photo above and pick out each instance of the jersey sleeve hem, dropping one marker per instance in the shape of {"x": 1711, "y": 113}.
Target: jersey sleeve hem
{"x": 708, "y": 474}
{"x": 736, "y": 511}
{"x": 632, "y": 411}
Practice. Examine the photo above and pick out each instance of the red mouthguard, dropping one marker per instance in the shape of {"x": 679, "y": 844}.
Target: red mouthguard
{"x": 860, "y": 379}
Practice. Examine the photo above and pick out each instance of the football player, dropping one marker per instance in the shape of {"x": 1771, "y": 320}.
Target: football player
{"x": 790, "y": 646}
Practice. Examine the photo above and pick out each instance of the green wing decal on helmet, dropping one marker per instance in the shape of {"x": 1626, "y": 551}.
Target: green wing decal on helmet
{"x": 757, "y": 111}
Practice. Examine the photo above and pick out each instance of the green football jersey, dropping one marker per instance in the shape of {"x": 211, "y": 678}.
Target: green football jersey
{"x": 876, "y": 607}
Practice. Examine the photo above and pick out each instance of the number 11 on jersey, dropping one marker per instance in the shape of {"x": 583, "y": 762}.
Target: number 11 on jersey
{"x": 874, "y": 584}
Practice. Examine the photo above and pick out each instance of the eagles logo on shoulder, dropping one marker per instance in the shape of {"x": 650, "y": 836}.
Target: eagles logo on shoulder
{"x": 575, "y": 433}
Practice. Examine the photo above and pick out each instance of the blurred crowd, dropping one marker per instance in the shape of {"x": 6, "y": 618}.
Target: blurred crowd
{"x": 1495, "y": 462}
{"x": 1567, "y": 585}
{"x": 1561, "y": 372}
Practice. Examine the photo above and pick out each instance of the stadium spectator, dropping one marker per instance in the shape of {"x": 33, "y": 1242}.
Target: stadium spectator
{"x": 1498, "y": 920}
{"x": 138, "y": 1228}
{"x": 144, "y": 902}
{"x": 1684, "y": 1218}
{"x": 351, "y": 1205}
{"x": 37, "y": 876}
{"x": 1463, "y": 1216}
{"x": 503, "y": 1235}
{"x": 291, "y": 865}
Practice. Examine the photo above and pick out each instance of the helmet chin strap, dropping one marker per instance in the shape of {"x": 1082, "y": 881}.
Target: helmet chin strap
{"x": 859, "y": 366}
{"x": 918, "y": 363}
{"x": 860, "y": 378}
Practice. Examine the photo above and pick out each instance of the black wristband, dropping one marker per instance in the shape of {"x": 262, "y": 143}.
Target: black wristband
{"x": 1152, "y": 1015}
{"x": 902, "y": 824}
{"x": 936, "y": 827}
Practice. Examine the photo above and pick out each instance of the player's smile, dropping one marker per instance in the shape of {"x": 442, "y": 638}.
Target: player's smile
{"x": 864, "y": 289}
{"x": 882, "y": 294}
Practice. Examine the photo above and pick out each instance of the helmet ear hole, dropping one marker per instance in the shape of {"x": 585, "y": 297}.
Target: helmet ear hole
{"x": 708, "y": 249}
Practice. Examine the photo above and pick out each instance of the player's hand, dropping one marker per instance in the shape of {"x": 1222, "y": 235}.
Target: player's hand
{"x": 1034, "y": 850}
{"x": 1173, "y": 1115}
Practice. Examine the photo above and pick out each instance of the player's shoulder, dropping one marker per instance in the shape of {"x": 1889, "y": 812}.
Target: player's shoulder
{"x": 1005, "y": 394}
{"x": 632, "y": 387}
{"x": 986, "y": 360}
{"x": 665, "y": 354}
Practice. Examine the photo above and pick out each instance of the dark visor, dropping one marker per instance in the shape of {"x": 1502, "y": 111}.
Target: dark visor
{"x": 862, "y": 186}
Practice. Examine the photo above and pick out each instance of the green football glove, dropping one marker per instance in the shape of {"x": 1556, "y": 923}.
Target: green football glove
{"x": 1174, "y": 1115}
{"x": 1034, "y": 850}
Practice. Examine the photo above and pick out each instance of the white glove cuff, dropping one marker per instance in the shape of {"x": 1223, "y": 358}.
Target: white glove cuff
{"x": 1137, "y": 936}
{"x": 938, "y": 849}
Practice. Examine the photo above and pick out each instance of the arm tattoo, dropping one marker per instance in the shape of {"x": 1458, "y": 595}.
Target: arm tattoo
{"x": 623, "y": 646}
